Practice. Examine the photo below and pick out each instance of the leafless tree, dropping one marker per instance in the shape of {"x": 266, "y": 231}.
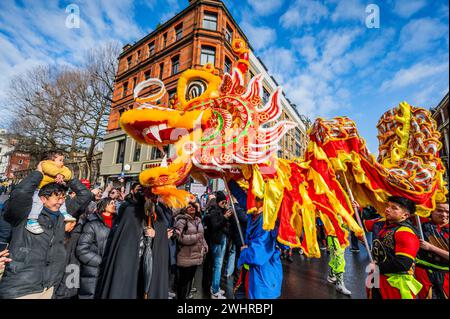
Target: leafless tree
{"x": 61, "y": 107}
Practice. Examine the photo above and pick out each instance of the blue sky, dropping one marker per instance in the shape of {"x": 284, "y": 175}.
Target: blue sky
{"x": 321, "y": 52}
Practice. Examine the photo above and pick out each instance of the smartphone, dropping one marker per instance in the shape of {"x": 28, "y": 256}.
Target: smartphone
{"x": 3, "y": 246}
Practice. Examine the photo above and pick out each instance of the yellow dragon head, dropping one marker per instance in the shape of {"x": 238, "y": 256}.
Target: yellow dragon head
{"x": 216, "y": 125}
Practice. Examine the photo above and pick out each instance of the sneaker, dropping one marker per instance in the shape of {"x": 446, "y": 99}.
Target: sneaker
{"x": 191, "y": 296}
{"x": 331, "y": 278}
{"x": 34, "y": 227}
{"x": 194, "y": 290}
{"x": 172, "y": 295}
{"x": 221, "y": 291}
{"x": 68, "y": 217}
{"x": 218, "y": 296}
{"x": 340, "y": 286}
{"x": 323, "y": 247}
{"x": 354, "y": 250}
{"x": 301, "y": 252}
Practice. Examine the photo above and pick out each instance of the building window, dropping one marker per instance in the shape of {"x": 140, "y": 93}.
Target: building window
{"x": 161, "y": 70}
{"x": 125, "y": 89}
{"x": 120, "y": 115}
{"x": 208, "y": 55}
{"x": 137, "y": 152}
{"x": 297, "y": 134}
{"x": 20, "y": 162}
{"x": 134, "y": 82}
{"x": 210, "y": 21}
{"x": 156, "y": 153}
{"x": 228, "y": 65}
{"x": 138, "y": 56}
{"x": 129, "y": 62}
{"x": 164, "y": 40}
{"x": 229, "y": 34}
{"x": 147, "y": 74}
{"x": 151, "y": 48}
{"x": 297, "y": 150}
{"x": 179, "y": 31}
{"x": 175, "y": 64}
{"x": 266, "y": 96}
{"x": 120, "y": 152}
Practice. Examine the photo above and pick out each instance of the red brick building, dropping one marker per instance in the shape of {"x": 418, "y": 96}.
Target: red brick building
{"x": 201, "y": 33}
{"x": 18, "y": 161}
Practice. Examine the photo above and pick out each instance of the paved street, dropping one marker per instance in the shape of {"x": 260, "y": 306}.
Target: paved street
{"x": 305, "y": 278}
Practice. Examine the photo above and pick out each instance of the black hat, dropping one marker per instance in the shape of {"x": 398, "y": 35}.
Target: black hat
{"x": 220, "y": 196}
{"x": 404, "y": 202}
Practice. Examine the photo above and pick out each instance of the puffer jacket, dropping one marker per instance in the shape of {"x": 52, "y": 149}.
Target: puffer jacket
{"x": 38, "y": 261}
{"x": 191, "y": 241}
{"x": 90, "y": 250}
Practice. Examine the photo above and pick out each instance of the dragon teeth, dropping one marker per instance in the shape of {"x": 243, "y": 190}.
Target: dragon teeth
{"x": 162, "y": 127}
{"x": 155, "y": 131}
{"x": 164, "y": 161}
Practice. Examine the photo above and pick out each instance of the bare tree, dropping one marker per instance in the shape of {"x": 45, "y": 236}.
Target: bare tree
{"x": 61, "y": 107}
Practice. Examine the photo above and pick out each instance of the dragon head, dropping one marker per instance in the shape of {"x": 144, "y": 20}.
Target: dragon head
{"x": 216, "y": 125}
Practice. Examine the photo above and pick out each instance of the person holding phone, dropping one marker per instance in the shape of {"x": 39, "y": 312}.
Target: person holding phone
{"x": 4, "y": 253}
{"x": 219, "y": 224}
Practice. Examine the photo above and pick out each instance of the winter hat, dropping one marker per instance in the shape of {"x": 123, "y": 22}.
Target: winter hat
{"x": 220, "y": 196}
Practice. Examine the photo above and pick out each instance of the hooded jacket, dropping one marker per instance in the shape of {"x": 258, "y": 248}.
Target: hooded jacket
{"x": 90, "y": 251}
{"x": 191, "y": 241}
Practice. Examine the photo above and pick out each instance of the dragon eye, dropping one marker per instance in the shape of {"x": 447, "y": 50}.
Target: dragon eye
{"x": 195, "y": 89}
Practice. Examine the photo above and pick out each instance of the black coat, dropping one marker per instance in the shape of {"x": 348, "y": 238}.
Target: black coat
{"x": 218, "y": 225}
{"x": 38, "y": 261}
{"x": 121, "y": 267}
{"x": 164, "y": 253}
{"x": 68, "y": 287}
{"x": 5, "y": 228}
{"x": 90, "y": 250}
{"x": 233, "y": 230}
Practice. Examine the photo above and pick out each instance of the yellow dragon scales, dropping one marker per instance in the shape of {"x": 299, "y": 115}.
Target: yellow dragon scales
{"x": 219, "y": 128}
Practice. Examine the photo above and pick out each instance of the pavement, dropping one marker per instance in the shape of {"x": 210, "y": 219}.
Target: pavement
{"x": 306, "y": 278}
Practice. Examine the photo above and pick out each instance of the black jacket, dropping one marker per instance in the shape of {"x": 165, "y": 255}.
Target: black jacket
{"x": 218, "y": 225}
{"x": 90, "y": 250}
{"x": 233, "y": 230}
{"x": 38, "y": 261}
{"x": 5, "y": 228}
{"x": 68, "y": 287}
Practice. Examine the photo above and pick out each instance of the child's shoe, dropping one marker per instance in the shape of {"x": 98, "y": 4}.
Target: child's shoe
{"x": 68, "y": 217}
{"x": 34, "y": 227}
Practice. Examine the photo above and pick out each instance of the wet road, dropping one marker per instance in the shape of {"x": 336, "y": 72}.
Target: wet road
{"x": 306, "y": 278}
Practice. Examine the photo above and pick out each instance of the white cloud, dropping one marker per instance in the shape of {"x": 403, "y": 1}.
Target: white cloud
{"x": 422, "y": 34}
{"x": 35, "y": 33}
{"x": 265, "y": 7}
{"x": 280, "y": 62}
{"x": 405, "y": 9}
{"x": 259, "y": 37}
{"x": 306, "y": 46}
{"x": 349, "y": 10}
{"x": 303, "y": 13}
{"x": 413, "y": 75}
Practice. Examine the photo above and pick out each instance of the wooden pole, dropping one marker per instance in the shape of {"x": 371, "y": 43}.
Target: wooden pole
{"x": 358, "y": 218}
{"x": 419, "y": 225}
{"x": 234, "y": 211}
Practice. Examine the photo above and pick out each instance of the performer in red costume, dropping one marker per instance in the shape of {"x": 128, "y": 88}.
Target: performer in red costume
{"x": 432, "y": 260}
{"x": 394, "y": 250}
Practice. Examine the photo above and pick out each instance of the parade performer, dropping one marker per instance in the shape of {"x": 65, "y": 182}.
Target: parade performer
{"x": 395, "y": 246}
{"x": 432, "y": 260}
{"x": 54, "y": 171}
{"x": 260, "y": 258}
{"x": 337, "y": 258}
